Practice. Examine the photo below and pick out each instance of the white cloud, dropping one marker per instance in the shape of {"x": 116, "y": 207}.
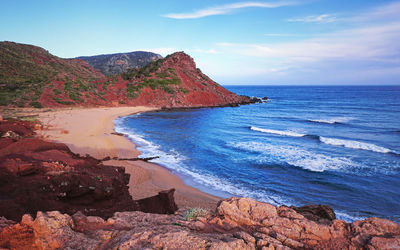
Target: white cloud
{"x": 367, "y": 54}
{"x": 225, "y": 9}
{"x": 373, "y": 43}
{"x": 323, "y": 18}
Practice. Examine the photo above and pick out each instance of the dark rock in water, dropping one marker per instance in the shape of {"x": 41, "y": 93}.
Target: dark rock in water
{"x": 265, "y": 98}
{"x": 318, "y": 213}
{"x": 255, "y": 100}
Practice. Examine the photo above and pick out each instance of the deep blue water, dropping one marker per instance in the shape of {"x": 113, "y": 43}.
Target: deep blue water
{"x": 335, "y": 145}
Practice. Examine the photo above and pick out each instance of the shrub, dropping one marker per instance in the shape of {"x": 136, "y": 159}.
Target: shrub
{"x": 168, "y": 89}
{"x": 183, "y": 90}
{"x": 194, "y": 213}
{"x": 37, "y": 105}
{"x": 62, "y": 102}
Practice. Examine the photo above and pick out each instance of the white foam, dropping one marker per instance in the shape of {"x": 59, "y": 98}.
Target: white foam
{"x": 176, "y": 162}
{"x": 333, "y": 120}
{"x": 355, "y": 144}
{"x": 295, "y": 156}
{"x": 347, "y": 217}
{"x": 277, "y": 132}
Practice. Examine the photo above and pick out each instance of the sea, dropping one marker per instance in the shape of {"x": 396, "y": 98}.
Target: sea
{"x": 333, "y": 145}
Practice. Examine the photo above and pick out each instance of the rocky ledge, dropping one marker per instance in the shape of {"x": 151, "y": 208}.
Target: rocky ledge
{"x": 237, "y": 223}
{"x": 37, "y": 175}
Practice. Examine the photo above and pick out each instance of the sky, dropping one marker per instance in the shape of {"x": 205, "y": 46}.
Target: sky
{"x": 303, "y": 42}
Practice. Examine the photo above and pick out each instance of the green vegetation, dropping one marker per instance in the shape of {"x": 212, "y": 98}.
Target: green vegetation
{"x": 146, "y": 71}
{"x": 156, "y": 83}
{"x": 56, "y": 91}
{"x": 26, "y": 70}
{"x": 194, "y": 213}
{"x": 36, "y": 105}
{"x": 183, "y": 90}
{"x": 31, "y": 118}
{"x": 151, "y": 76}
{"x": 62, "y": 102}
{"x": 133, "y": 90}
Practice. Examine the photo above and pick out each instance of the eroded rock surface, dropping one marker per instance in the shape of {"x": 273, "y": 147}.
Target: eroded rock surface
{"x": 37, "y": 175}
{"x": 237, "y": 223}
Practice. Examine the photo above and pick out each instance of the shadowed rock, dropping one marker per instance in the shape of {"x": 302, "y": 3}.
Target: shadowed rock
{"x": 163, "y": 203}
{"x": 317, "y": 213}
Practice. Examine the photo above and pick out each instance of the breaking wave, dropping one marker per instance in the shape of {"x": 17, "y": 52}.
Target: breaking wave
{"x": 356, "y": 145}
{"x": 331, "y": 141}
{"x": 176, "y": 163}
{"x": 295, "y": 156}
{"x": 334, "y": 120}
{"x": 277, "y": 132}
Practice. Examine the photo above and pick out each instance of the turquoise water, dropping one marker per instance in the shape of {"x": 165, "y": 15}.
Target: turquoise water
{"x": 307, "y": 145}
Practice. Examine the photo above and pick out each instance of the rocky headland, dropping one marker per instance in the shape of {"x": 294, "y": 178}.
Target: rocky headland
{"x": 31, "y": 77}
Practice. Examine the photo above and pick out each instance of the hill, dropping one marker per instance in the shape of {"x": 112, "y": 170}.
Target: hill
{"x": 113, "y": 64}
{"x": 27, "y": 70}
{"x": 31, "y": 76}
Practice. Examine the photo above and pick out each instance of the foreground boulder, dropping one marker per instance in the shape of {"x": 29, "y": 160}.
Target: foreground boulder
{"x": 284, "y": 227}
{"x": 237, "y": 223}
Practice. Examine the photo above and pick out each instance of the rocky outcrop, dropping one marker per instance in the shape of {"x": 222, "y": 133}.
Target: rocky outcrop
{"x": 113, "y": 64}
{"x": 283, "y": 227}
{"x": 37, "y": 175}
{"x": 175, "y": 82}
{"x": 237, "y": 223}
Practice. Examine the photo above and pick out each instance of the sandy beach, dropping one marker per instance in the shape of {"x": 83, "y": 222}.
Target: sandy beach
{"x": 90, "y": 131}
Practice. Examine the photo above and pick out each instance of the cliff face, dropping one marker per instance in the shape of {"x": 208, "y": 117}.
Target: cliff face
{"x": 113, "y": 64}
{"x": 176, "y": 82}
{"x": 30, "y": 76}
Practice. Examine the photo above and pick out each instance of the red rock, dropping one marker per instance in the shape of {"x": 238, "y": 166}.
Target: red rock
{"x": 75, "y": 83}
{"x": 163, "y": 203}
{"x": 284, "y": 227}
{"x": 138, "y": 230}
{"x": 36, "y": 175}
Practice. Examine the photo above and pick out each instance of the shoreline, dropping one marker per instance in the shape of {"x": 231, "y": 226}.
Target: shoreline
{"x": 92, "y": 131}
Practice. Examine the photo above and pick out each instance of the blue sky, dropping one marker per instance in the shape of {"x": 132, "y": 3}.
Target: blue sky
{"x": 234, "y": 42}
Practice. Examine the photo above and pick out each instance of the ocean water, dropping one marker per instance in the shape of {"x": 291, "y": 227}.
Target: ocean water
{"x": 334, "y": 145}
